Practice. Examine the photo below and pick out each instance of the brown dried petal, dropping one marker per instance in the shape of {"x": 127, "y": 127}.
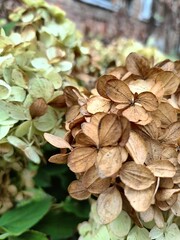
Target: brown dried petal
{"x": 72, "y": 113}
{"x": 176, "y": 178}
{"x": 108, "y": 161}
{"x": 109, "y": 130}
{"x": 98, "y": 104}
{"x": 81, "y": 159}
{"x": 165, "y": 194}
{"x": 136, "y": 148}
{"x": 154, "y": 150}
{"x": 176, "y": 207}
{"x": 119, "y": 92}
{"x": 166, "y": 183}
{"x": 93, "y": 183}
{"x": 172, "y": 133}
{"x": 137, "y": 64}
{"x": 162, "y": 168}
{"x": 135, "y": 113}
{"x": 56, "y": 141}
{"x": 166, "y": 113}
{"x": 169, "y": 81}
{"x": 78, "y": 191}
{"x": 140, "y": 200}
{"x": 109, "y": 205}
{"x": 83, "y": 140}
{"x": 101, "y": 84}
{"x": 38, "y": 108}
{"x": 125, "y": 125}
{"x": 70, "y": 95}
{"x": 148, "y": 100}
{"x": 59, "y": 158}
{"x": 136, "y": 176}
{"x": 90, "y": 129}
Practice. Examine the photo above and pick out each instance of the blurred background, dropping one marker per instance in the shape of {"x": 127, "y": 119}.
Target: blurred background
{"x": 152, "y": 22}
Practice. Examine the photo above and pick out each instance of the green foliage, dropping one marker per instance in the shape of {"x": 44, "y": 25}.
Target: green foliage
{"x": 29, "y": 235}
{"x": 18, "y": 220}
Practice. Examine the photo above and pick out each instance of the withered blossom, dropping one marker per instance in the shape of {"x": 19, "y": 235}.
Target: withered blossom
{"x": 123, "y": 141}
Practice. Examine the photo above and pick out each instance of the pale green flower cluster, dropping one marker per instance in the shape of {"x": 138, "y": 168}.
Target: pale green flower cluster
{"x": 35, "y": 63}
{"x": 122, "y": 228}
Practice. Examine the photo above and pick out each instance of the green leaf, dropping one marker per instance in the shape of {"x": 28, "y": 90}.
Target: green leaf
{"x": 47, "y": 121}
{"x": 31, "y": 235}
{"x": 137, "y": 233}
{"x": 20, "y": 219}
{"x": 58, "y": 224}
{"x": 121, "y": 226}
{"x": 73, "y": 206}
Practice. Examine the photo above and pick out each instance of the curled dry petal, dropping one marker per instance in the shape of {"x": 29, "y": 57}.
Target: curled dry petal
{"x": 56, "y": 141}
{"x": 136, "y": 147}
{"x": 169, "y": 81}
{"x": 38, "y": 108}
{"x": 119, "y": 92}
{"x": 81, "y": 159}
{"x": 148, "y": 100}
{"x": 98, "y": 104}
{"x": 125, "y": 126}
{"x": 109, "y": 130}
{"x": 90, "y": 129}
{"x": 109, "y": 205}
{"x": 59, "y": 158}
{"x": 136, "y": 176}
{"x": 70, "y": 95}
{"x": 102, "y": 82}
{"x": 140, "y": 200}
{"x": 78, "y": 191}
{"x": 162, "y": 168}
{"x": 83, "y": 140}
{"x": 93, "y": 182}
{"x": 165, "y": 194}
{"x": 137, "y": 64}
{"x": 109, "y": 161}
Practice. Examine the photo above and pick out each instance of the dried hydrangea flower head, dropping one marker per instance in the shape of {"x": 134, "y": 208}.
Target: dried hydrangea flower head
{"x": 123, "y": 141}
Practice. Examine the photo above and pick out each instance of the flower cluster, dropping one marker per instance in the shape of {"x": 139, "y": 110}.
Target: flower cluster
{"x": 123, "y": 141}
{"x": 35, "y": 64}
